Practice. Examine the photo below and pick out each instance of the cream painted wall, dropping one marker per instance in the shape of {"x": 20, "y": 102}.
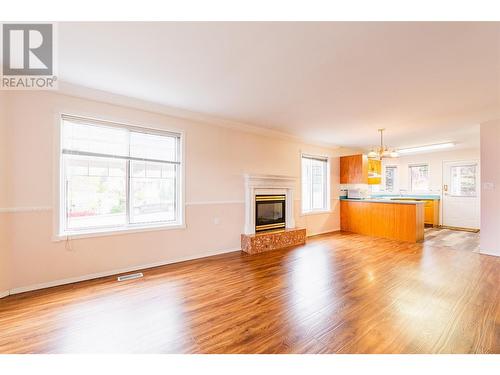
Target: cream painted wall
{"x": 435, "y": 161}
{"x": 490, "y": 192}
{"x": 3, "y": 149}
{"x": 216, "y": 159}
{"x": 4, "y": 253}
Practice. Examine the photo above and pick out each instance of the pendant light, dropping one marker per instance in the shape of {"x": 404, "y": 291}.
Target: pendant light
{"x": 382, "y": 151}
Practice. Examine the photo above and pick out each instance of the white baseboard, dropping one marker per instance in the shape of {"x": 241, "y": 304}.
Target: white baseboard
{"x": 97, "y": 275}
{"x": 489, "y": 252}
{"x": 76, "y": 279}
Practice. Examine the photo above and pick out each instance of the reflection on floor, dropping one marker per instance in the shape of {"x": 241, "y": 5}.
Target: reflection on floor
{"x": 455, "y": 239}
{"x": 339, "y": 293}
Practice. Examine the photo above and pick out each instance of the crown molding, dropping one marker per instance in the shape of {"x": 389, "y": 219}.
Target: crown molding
{"x": 74, "y": 90}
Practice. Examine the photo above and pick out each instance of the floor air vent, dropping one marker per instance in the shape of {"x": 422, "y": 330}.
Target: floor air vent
{"x": 131, "y": 276}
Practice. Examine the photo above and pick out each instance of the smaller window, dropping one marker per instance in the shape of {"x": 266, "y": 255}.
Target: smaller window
{"x": 391, "y": 178}
{"x": 463, "y": 180}
{"x": 419, "y": 177}
{"x": 315, "y": 182}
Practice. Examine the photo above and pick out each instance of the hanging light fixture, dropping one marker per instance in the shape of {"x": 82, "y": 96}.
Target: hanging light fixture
{"x": 382, "y": 151}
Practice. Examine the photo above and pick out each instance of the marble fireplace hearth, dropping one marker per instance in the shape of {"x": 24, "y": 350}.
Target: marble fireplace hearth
{"x": 266, "y": 241}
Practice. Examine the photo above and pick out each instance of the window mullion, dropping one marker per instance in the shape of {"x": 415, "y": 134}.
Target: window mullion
{"x": 326, "y": 203}
{"x": 311, "y": 185}
{"x": 66, "y": 198}
{"x": 127, "y": 190}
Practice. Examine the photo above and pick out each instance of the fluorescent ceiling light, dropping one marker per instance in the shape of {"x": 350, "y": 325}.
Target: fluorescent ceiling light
{"x": 426, "y": 148}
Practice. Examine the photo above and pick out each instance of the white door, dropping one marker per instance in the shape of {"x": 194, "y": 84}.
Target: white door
{"x": 461, "y": 188}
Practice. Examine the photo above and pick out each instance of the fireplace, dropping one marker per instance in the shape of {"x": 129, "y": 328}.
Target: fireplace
{"x": 268, "y": 185}
{"x": 270, "y": 212}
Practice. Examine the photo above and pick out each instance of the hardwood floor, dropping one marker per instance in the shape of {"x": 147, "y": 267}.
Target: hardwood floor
{"x": 453, "y": 239}
{"x": 340, "y": 293}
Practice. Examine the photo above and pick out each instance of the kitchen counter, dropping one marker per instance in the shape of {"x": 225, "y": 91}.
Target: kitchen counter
{"x": 383, "y": 200}
{"x": 409, "y": 196}
{"x": 397, "y": 220}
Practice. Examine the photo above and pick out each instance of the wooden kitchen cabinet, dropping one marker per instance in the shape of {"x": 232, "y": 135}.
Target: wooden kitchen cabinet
{"x": 358, "y": 169}
{"x": 354, "y": 169}
{"x": 431, "y": 209}
{"x": 398, "y": 221}
{"x": 431, "y": 212}
{"x": 374, "y": 172}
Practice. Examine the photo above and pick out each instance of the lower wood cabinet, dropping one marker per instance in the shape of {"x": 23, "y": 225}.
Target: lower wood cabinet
{"x": 431, "y": 210}
{"x": 398, "y": 221}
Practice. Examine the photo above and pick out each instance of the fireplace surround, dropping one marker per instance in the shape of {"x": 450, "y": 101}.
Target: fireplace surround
{"x": 259, "y": 185}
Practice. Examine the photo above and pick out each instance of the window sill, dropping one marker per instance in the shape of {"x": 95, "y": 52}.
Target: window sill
{"x": 112, "y": 232}
{"x": 319, "y": 212}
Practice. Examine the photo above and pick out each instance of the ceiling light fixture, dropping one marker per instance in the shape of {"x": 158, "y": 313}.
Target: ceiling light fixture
{"x": 382, "y": 151}
{"x": 438, "y": 146}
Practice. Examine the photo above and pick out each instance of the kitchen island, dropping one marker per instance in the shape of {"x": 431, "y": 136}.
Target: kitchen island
{"x": 431, "y": 207}
{"x": 401, "y": 220}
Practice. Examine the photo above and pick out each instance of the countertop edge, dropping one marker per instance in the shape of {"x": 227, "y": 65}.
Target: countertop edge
{"x": 393, "y": 201}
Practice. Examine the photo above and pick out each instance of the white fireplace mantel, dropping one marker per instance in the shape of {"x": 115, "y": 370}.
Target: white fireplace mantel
{"x": 268, "y": 184}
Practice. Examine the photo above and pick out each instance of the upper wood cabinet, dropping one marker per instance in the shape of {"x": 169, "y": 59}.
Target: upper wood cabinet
{"x": 358, "y": 169}
{"x": 374, "y": 172}
{"x": 354, "y": 169}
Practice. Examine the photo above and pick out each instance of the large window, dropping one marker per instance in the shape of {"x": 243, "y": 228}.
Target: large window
{"x": 117, "y": 177}
{"x": 391, "y": 182}
{"x": 419, "y": 177}
{"x": 315, "y": 182}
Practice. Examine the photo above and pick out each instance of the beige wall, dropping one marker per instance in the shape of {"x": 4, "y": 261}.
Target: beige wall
{"x": 4, "y": 254}
{"x": 435, "y": 161}
{"x": 490, "y": 192}
{"x": 216, "y": 159}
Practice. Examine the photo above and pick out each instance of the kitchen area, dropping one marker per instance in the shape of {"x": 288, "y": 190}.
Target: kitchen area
{"x": 368, "y": 211}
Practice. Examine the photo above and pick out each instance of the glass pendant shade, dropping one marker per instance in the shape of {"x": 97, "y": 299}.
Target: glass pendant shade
{"x": 382, "y": 151}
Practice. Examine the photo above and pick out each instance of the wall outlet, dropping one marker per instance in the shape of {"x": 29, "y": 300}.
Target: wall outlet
{"x": 216, "y": 221}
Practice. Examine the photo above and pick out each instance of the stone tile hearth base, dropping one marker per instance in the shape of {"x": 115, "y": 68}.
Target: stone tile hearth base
{"x": 266, "y": 241}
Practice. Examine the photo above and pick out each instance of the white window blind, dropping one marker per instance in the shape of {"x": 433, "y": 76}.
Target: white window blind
{"x": 315, "y": 182}
{"x": 391, "y": 183}
{"x": 419, "y": 177}
{"x": 117, "y": 176}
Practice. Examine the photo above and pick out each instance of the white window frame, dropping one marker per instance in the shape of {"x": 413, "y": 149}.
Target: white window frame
{"x": 326, "y": 187}
{"x": 477, "y": 185}
{"x": 410, "y": 185}
{"x": 396, "y": 178}
{"x": 60, "y": 233}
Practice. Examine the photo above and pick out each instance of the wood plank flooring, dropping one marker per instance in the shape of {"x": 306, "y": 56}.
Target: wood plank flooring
{"x": 453, "y": 239}
{"x": 339, "y": 293}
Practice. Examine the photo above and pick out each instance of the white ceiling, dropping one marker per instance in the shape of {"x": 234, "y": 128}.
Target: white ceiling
{"x": 328, "y": 82}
